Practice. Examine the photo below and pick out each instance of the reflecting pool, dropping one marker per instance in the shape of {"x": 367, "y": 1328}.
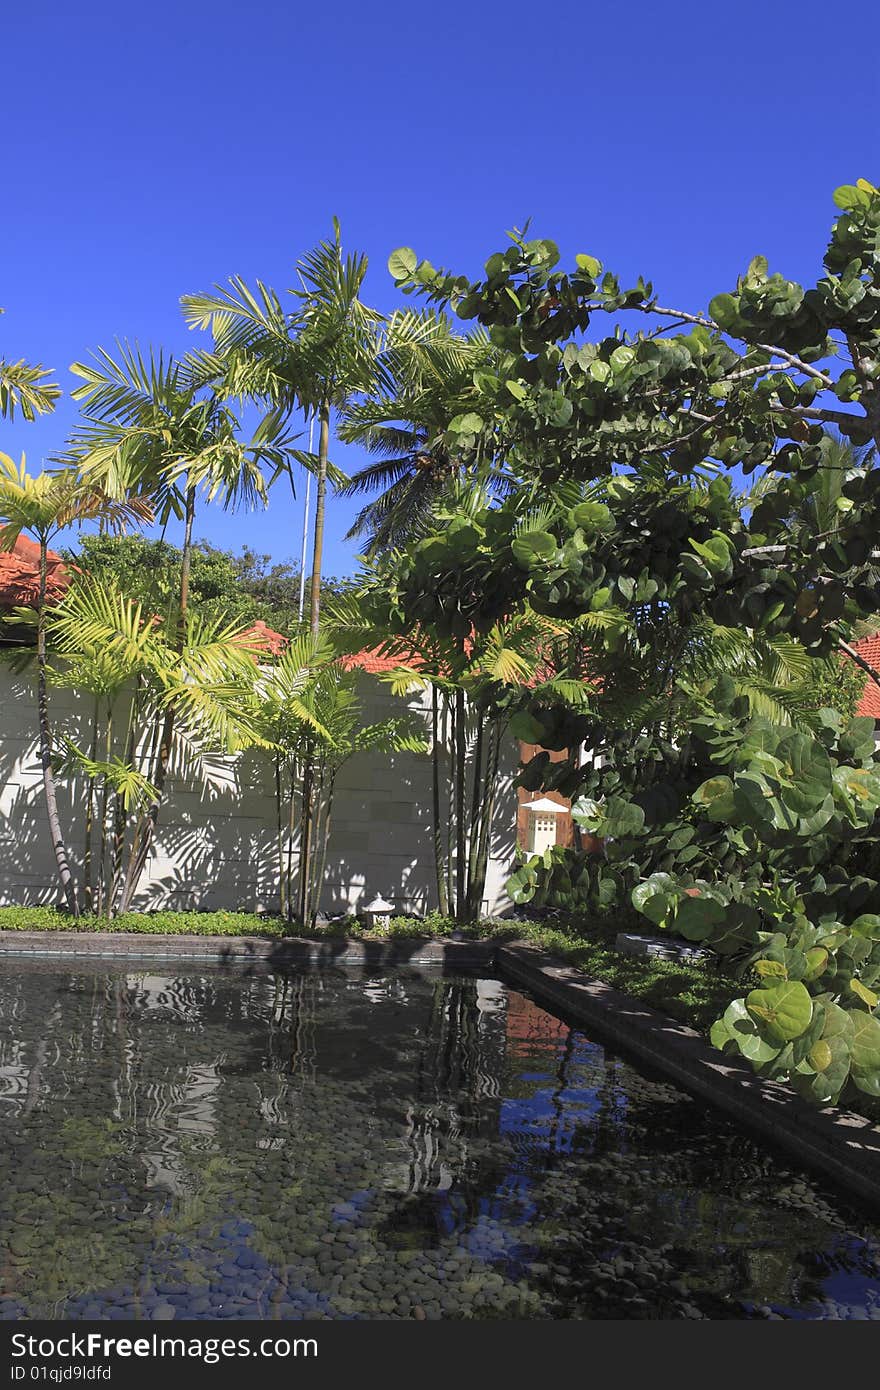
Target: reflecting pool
{"x": 201, "y": 1143}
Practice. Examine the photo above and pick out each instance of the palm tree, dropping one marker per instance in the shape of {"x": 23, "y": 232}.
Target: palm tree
{"x": 209, "y": 678}
{"x": 41, "y": 505}
{"x": 314, "y": 358}
{"x": 474, "y": 685}
{"x": 153, "y": 427}
{"x": 24, "y": 386}
{"x": 425, "y": 379}
{"x": 312, "y": 718}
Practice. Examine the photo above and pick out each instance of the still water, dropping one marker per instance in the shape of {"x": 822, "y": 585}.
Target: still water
{"x": 209, "y": 1144}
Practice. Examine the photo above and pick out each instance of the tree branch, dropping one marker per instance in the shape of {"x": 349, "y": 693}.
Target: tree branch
{"x": 769, "y": 348}
{"x": 859, "y": 660}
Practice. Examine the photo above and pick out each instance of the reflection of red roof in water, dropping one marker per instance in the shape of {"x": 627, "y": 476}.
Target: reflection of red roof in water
{"x": 20, "y": 575}
{"x": 528, "y": 1026}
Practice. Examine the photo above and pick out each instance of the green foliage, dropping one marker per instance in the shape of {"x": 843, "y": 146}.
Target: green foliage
{"x": 242, "y": 589}
{"x": 766, "y": 863}
{"x": 145, "y": 923}
{"x": 24, "y": 387}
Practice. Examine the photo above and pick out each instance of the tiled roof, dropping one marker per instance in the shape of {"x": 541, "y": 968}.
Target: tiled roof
{"x": 869, "y": 648}
{"x": 374, "y": 663}
{"x": 262, "y": 638}
{"x": 20, "y": 575}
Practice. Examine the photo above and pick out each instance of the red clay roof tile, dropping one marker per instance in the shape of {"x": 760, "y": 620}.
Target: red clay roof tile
{"x": 20, "y": 575}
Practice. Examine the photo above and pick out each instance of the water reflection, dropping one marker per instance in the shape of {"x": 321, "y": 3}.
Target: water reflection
{"x": 221, "y": 1145}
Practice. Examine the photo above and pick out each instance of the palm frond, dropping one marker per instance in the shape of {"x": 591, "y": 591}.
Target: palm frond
{"x": 25, "y": 386}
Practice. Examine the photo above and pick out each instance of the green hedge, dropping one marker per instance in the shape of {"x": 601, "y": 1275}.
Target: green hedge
{"x": 151, "y": 923}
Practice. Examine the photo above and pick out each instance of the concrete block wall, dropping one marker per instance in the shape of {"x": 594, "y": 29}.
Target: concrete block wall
{"x": 216, "y": 842}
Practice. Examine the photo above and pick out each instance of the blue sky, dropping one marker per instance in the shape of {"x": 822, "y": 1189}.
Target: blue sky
{"x": 151, "y": 152}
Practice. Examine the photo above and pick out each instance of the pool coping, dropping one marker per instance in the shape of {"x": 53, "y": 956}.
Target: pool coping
{"x": 345, "y": 952}
{"x": 839, "y": 1143}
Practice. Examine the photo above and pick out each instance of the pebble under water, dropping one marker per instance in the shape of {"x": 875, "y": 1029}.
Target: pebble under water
{"x": 227, "y": 1144}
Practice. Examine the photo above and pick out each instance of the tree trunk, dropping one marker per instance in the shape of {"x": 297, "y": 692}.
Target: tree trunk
{"x": 460, "y": 835}
{"x": 148, "y": 826}
{"x": 320, "y": 503}
{"x": 477, "y": 805}
{"x": 487, "y": 812}
{"x": 291, "y": 816}
{"x": 101, "y": 878}
{"x": 61, "y": 859}
{"x": 449, "y": 747}
{"x": 305, "y": 835}
{"x": 279, "y": 834}
{"x": 321, "y": 860}
{"x": 88, "y": 898}
{"x": 119, "y": 812}
{"x": 439, "y": 866}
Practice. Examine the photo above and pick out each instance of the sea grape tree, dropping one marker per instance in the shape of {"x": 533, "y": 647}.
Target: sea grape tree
{"x": 630, "y": 447}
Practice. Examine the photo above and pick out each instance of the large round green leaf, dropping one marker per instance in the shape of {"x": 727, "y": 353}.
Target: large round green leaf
{"x": 821, "y": 1077}
{"x": 867, "y": 925}
{"x": 697, "y": 917}
{"x": 462, "y": 537}
{"x": 805, "y": 775}
{"x": 468, "y": 423}
{"x": 724, "y": 309}
{"x": 866, "y": 1053}
{"x": 737, "y": 1027}
{"x": 816, "y": 961}
{"x": 782, "y": 1011}
{"x": 592, "y": 516}
{"x": 524, "y": 726}
{"x": 621, "y": 817}
{"x": 402, "y": 263}
{"x": 589, "y": 264}
{"x": 654, "y": 897}
{"x": 716, "y": 798}
{"x": 533, "y": 548}
{"x": 838, "y": 1023}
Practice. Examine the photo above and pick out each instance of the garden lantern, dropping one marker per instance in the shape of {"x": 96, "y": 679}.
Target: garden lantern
{"x": 542, "y": 823}
{"x": 378, "y": 913}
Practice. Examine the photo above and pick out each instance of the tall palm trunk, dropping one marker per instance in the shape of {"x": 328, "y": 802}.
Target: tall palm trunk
{"x": 58, "y": 846}
{"x": 117, "y": 844}
{"x": 305, "y": 835}
{"x": 480, "y": 868}
{"x": 439, "y": 865}
{"x": 101, "y": 881}
{"x": 460, "y": 828}
{"x": 279, "y": 835}
{"x": 88, "y": 895}
{"x": 148, "y": 828}
{"x": 320, "y": 505}
{"x": 321, "y": 838}
{"x": 477, "y": 803}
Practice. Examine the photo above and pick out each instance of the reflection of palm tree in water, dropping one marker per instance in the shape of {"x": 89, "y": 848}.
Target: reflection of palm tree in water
{"x": 459, "y": 1067}
{"x": 292, "y": 1035}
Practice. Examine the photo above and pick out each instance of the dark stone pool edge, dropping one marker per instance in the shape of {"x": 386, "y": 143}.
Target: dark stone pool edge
{"x": 839, "y": 1143}
{"x": 346, "y": 952}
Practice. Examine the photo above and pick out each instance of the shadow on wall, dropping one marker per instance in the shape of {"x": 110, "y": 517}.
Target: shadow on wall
{"x": 217, "y": 841}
